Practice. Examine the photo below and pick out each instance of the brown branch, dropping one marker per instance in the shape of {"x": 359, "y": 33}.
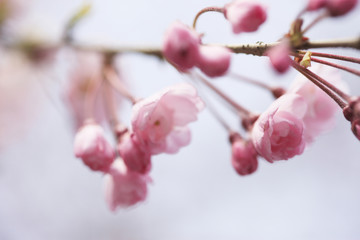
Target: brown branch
{"x": 257, "y": 49}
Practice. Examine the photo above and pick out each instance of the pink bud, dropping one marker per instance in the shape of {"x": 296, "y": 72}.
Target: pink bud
{"x": 91, "y": 146}
{"x": 124, "y": 188}
{"x": 340, "y": 7}
{"x": 314, "y": 5}
{"x": 136, "y": 158}
{"x": 245, "y": 15}
{"x": 244, "y": 157}
{"x": 181, "y": 46}
{"x": 214, "y": 61}
{"x": 278, "y": 134}
{"x": 279, "y": 57}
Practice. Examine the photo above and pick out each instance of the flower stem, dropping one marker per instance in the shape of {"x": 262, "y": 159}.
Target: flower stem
{"x": 350, "y": 70}
{"x": 92, "y": 90}
{"x": 276, "y": 91}
{"x": 242, "y": 111}
{"x": 110, "y": 105}
{"x": 114, "y": 80}
{"x": 207, "y": 9}
{"x": 216, "y": 114}
{"x": 315, "y": 21}
{"x": 333, "y": 56}
{"x": 310, "y": 75}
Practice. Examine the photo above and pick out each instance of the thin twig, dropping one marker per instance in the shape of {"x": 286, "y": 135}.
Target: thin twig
{"x": 112, "y": 77}
{"x": 350, "y": 70}
{"x": 208, "y": 9}
{"x": 305, "y": 72}
{"x": 242, "y": 111}
{"x": 332, "y": 56}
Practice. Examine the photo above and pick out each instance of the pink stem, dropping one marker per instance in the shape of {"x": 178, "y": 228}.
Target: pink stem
{"x": 113, "y": 78}
{"x": 333, "y": 56}
{"x": 350, "y": 70}
{"x": 308, "y": 74}
{"x": 243, "y": 111}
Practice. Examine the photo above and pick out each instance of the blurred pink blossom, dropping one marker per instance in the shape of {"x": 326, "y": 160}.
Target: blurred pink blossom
{"x": 340, "y": 7}
{"x": 160, "y": 121}
{"x": 279, "y": 56}
{"x": 124, "y": 188}
{"x": 181, "y": 46}
{"x": 214, "y": 61}
{"x": 245, "y": 15}
{"x": 315, "y": 5}
{"x": 92, "y": 147}
{"x": 136, "y": 158}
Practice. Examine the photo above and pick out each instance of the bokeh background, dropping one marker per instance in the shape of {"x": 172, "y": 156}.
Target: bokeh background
{"x": 45, "y": 193}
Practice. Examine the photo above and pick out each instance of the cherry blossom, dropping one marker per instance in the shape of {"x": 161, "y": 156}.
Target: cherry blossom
{"x": 92, "y": 147}
{"x": 278, "y": 134}
{"x": 340, "y": 7}
{"x": 135, "y": 157}
{"x": 245, "y": 15}
{"x": 214, "y": 61}
{"x": 181, "y": 46}
{"x": 244, "y": 157}
{"x": 123, "y": 187}
{"x": 160, "y": 121}
{"x": 279, "y": 56}
{"x": 315, "y": 4}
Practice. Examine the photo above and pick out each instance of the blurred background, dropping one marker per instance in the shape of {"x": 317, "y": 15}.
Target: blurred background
{"x": 46, "y": 193}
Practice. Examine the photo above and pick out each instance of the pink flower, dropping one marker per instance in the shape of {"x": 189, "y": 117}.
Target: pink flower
{"x": 214, "y": 61}
{"x": 160, "y": 121}
{"x": 181, "y": 46}
{"x": 245, "y": 15}
{"x": 315, "y": 5}
{"x": 278, "y": 134}
{"x": 91, "y": 146}
{"x": 124, "y": 188}
{"x": 279, "y": 56}
{"x": 135, "y": 157}
{"x": 244, "y": 157}
{"x": 320, "y": 114}
{"x": 340, "y": 7}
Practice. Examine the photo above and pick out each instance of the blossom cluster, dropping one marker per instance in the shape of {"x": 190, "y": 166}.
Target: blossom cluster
{"x": 160, "y": 122}
{"x": 159, "y": 125}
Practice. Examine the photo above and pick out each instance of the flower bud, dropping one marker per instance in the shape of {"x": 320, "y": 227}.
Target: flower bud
{"x": 314, "y": 5}
{"x": 279, "y": 57}
{"x": 181, "y": 46}
{"x": 245, "y": 16}
{"x": 124, "y": 188}
{"x": 135, "y": 157}
{"x": 214, "y": 61}
{"x": 92, "y": 147}
{"x": 244, "y": 157}
{"x": 340, "y": 7}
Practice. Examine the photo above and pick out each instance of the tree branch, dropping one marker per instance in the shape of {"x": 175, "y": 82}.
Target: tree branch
{"x": 257, "y": 49}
